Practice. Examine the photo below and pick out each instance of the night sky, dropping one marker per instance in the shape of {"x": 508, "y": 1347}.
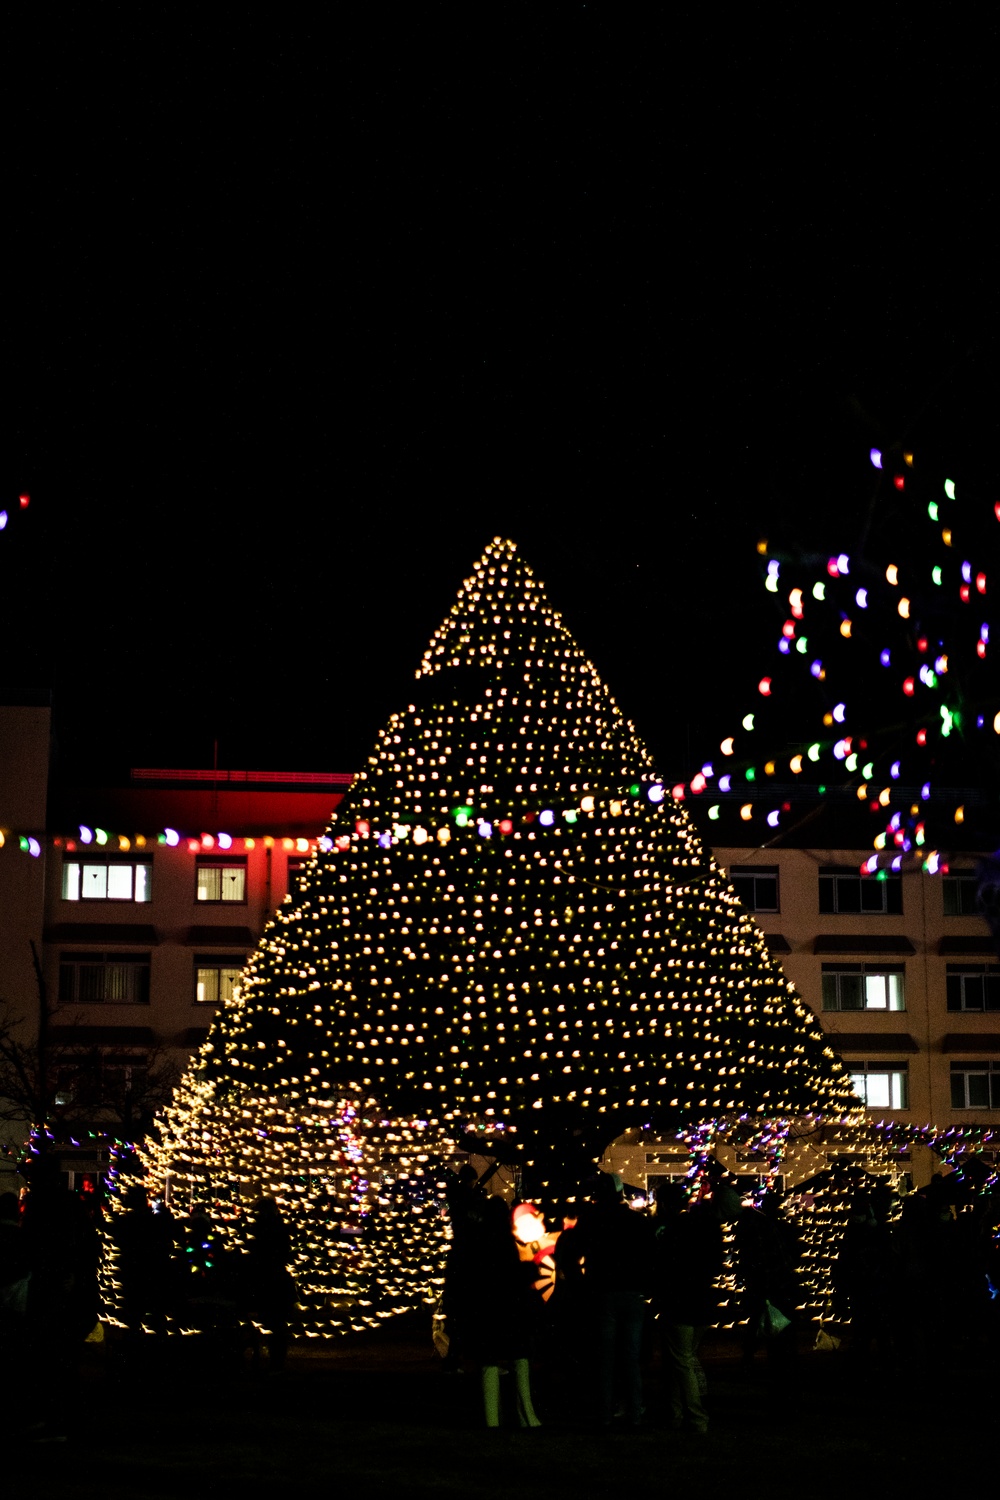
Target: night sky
{"x": 299, "y": 316}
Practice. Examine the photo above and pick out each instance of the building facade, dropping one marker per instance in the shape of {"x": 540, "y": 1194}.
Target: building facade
{"x": 129, "y": 912}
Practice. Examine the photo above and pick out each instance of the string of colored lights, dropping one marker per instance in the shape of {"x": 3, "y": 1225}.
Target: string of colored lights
{"x": 913, "y": 616}
{"x": 23, "y": 501}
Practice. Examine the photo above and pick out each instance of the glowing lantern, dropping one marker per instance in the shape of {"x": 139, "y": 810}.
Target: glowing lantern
{"x": 536, "y": 1244}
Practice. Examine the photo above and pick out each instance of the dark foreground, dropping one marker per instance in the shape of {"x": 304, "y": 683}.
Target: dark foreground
{"x": 377, "y": 1416}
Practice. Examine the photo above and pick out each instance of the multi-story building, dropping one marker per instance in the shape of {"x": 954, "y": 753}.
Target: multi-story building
{"x": 141, "y": 902}
{"x": 902, "y": 974}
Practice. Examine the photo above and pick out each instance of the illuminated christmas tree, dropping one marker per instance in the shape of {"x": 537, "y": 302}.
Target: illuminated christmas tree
{"x": 508, "y": 923}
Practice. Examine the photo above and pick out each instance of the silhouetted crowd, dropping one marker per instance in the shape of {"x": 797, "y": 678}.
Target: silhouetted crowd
{"x": 590, "y": 1292}
{"x": 591, "y": 1302}
{"x": 166, "y": 1269}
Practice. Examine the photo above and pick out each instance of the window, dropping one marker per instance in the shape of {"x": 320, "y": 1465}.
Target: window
{"x": 848, "y": 891}
{"x": 975, "y": 1085}
{"x": 959, "y": 892}
{"x": 221, "y": 880}
{"x": 93, "y": 878}
{"x": 756, "y": 886}
{"x": 216, "y": 978}
{"x": 863, "y": 987}
{"x": 297, "y": 867}
{"x": 109, "y": 978}
{"x": 880, "y": 1085}
{"x": 973, "y": 986}
{"x": 95, "y": 1082}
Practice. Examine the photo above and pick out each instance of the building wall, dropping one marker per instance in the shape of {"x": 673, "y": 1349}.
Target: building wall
{"x": 24, "y": 773}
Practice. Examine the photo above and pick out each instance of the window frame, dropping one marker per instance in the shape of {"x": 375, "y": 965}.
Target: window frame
{"x": 75, "y": 961}
{"x": 107, "y": 862}
{"x": 956, "y": 881}
{"x": 751, "y": 873}
{"x": 864, "y": 971}
{"x": 217, "y": 962}
{"x": 985, "y": 1068}
{"x": 221, "y": 863}
{"x": 833, "y": 877}
{"x": 866, "y": 1070}
{"x": 988, "y": 974}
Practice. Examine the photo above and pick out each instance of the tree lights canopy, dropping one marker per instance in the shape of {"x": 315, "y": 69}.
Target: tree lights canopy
{"x": 509, "y": 914}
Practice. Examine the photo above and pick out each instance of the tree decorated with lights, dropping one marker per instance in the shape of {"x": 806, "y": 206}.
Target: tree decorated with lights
{"x": 509, "y": 923}
{"x": 893, "y": 639}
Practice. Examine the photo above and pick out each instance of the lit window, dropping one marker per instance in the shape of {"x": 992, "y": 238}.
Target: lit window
{"x": 880, "y": 1085}
{"x": 95, "y": 879}
{"x": 863, "y": 987}
{"x": 216, "y": 978}
{"x": 221, "y": 880}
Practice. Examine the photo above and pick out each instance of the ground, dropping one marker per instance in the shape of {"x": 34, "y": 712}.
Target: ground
{"x": 377, "y": 1416}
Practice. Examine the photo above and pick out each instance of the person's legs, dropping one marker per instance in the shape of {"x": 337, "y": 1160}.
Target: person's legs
{"x": 685, "y": 1391}
{"x": 631, "y": 1316}
{"x": 491, "y": 1394}
{"x": 522, "y": 1379}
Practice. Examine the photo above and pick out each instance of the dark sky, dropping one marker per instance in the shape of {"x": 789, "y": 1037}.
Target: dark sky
{"x": 301, "y": 313}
